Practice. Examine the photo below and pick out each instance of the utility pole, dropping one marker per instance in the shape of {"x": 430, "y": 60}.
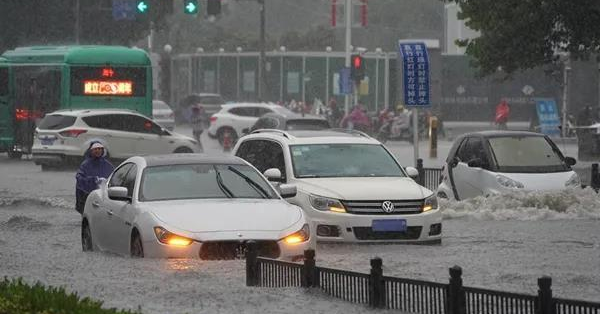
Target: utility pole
{"x": 261, "y": 59}
{"x": 77, "y": 9}
{"x": 348, "y": 16}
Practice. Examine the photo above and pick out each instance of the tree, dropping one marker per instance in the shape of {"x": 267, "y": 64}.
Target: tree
{"x": 523, "y": 34}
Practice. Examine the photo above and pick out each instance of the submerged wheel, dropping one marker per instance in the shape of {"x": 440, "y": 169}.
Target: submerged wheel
{"x": 137, "y": 249}
{"x": 14, "y": 154}
{"x": 86, "y": 237}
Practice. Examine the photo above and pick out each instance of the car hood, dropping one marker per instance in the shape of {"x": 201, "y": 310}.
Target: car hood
{"x": 364, "y": 188}
{"x": 227, "y": 215}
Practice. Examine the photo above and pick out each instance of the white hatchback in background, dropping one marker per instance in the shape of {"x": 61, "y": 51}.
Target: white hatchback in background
{"x": 62, "y": 137}
{"x": 498, "y": 162}
{"x": 349, "y": 184}
{"x": 237, "y": 117}
{"x": 163, "y": 114}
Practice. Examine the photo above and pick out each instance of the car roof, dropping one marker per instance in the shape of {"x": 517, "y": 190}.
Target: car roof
{"x": 329, "y": 136}
{"x": 292, "y": 116}
{"x": 188, "y": 159}
{"x": 501, "y": 133}
{"x": 91, "y": 112}
{"x": 244, "y": 104}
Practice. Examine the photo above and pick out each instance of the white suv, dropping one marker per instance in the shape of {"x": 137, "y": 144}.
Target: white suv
{"x": 237, "y": 117}
{"x": 64, "y": 136}
{"x": 349, "y": 184}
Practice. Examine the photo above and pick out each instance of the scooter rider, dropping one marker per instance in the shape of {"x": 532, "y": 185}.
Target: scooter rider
{"x": 92, "y": 170}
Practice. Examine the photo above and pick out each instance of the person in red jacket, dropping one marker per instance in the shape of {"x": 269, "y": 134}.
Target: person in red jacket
{"x": 502, "y": 114}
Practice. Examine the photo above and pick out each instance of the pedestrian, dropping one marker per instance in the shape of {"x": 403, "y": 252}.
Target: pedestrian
{"x": 92, "y": 170}
{"x": 502, "y": 114}
{"x": 197, "y": 120}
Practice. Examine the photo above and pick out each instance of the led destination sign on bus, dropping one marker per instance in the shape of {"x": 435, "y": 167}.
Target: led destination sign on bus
{"x": 118, "y": 88}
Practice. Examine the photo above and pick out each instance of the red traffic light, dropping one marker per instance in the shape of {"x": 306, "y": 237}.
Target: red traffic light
{"x": 357, "y": 62}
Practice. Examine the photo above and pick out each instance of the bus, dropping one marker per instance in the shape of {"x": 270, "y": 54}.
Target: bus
{"x": 43, "y": 79}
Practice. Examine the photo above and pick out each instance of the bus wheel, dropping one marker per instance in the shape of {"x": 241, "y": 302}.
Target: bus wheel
{"x": 14, "y": 154}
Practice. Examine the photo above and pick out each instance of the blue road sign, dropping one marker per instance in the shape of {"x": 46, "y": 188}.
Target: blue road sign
{"x": 124, "y": 9}
{"x": 415, "y": 73}
{"x": 345, "y": 82}
{"x": 547, "y": 112}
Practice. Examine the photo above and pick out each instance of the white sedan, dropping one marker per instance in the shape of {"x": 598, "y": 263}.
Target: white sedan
{"x": 190, "y": 205}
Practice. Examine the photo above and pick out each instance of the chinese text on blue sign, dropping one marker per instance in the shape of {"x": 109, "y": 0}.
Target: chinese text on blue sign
{"x": 415, "y": 69}
{"x": 345, "y": 82}
{"x": 548, "y": 116}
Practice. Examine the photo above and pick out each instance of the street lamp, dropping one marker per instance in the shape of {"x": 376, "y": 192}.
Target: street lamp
{"x": 282, "y": 49}
{"x": 378, "y": 52}
{"x": 168, "y": 48}
{"x": 239, "y": 50}
{"x": 199, "y": 50}
{"x": 328, "y": 50}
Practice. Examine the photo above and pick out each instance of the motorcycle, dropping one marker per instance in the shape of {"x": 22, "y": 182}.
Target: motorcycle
{"x": 399, "y": 126}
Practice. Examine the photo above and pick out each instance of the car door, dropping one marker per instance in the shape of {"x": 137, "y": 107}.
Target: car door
{"x": 243, "y": 117}
{"x": 148, "y": 136}
{"x": 110, "y": 226}
{"x": 112, "y": 128}
{"x": 469, "y": 180}
{"x": 123, "y": 214}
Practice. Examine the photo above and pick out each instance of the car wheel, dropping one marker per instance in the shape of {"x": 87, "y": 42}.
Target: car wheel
{"x": 14, "y": 154}
{"x": 183, "y": 150}
{"x": 232, "y": 135}
{"x": 86, "y": 237}
{"x": 137, "y": 249}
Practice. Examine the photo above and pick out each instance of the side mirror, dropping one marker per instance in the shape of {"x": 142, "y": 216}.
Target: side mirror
{"x": 287, "y": 190}
{"x": 273, "y": 174}
{"x": 475, "y": 163}
{"x": 412, "y": 172}
{"x": 454, "y": 162}
{"x": 570, "y": 161}
{"x": 245, "y": 131}
{"x": 118, "y": 193}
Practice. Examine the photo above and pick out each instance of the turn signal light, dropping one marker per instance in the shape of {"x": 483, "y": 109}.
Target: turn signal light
{"x": 300, "y": 236}
{"x": 170, "y": 238}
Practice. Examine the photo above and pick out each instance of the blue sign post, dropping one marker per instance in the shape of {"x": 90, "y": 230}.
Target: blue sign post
{"x": 345, "y": 82}
{"x": 547, "y": 113}
{"x": 415, "y": 70}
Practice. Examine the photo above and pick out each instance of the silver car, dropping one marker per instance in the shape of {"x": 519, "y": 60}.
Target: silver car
{"x": 191, "y": 205}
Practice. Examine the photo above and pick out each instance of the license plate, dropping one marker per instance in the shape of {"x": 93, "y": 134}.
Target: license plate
{"x": 398, "y": 225}
{"x": 47, "y": 141}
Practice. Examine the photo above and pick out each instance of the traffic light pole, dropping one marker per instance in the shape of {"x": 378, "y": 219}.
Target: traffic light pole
{"x": 261, "y": 59}
{"x": 348, "y": 16}
{"x": 77, "y": 11}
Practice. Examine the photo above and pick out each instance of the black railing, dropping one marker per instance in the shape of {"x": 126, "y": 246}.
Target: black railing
{"x": 407, "y": 295}
{"x": 428, "y": 177}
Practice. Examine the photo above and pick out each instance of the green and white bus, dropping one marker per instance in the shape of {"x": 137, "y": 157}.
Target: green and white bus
{"x": 43, "y": 79}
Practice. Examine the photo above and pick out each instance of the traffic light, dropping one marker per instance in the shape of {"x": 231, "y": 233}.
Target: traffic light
{"x": 357, "y": 68}
{"x": 213, "y": 7}
{"x": 142, "y": 6}
{"x": 191, "y": 6}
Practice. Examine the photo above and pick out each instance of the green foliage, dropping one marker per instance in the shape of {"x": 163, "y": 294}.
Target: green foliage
{"x": 523, "y": 34}
{"x": 17, "y": 297}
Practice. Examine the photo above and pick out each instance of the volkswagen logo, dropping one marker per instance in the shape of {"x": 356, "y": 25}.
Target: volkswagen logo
{"x": 387, "y": 206}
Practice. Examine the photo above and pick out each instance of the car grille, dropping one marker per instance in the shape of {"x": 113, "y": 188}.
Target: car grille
{"x": 366, "y": 233}
{"x": 401, "y": 207}
{"x": 236, "y": 250}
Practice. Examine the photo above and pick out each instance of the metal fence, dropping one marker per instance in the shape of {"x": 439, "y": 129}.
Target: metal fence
{"x": 429, "y": 177}
{"x": 407, "y": 295}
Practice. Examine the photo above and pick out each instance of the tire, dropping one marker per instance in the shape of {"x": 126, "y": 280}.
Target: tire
{"x": 183, "y": 150}
{"x": 221, "y": 134}
{"x": 86, "y": 237}
{"x": 137, "y": 248}
{"x": 14, "y": 154}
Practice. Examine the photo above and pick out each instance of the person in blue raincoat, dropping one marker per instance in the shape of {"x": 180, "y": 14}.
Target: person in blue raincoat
{"x": 94, "y": 168}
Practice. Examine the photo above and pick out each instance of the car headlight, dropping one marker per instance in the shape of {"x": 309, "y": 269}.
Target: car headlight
{"x": 326, "y": 204}
{"x": 299, "y": 236}
{"x": 508, "y": 182}
{"x": 167, "y": 237}
{"x": 430, "y": 203}
{"x": 573, "y": 182}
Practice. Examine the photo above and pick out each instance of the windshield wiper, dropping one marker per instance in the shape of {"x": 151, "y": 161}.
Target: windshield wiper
{"x": 222, "y": 186}
{"x": 251, "y": 182}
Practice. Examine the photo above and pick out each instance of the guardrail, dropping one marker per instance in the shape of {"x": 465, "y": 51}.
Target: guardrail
{"x": 407, "y": 295}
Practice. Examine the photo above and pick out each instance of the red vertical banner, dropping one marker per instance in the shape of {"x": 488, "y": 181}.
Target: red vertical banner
{"x": 363, "y": 13}
{"x": 333, "y": 12}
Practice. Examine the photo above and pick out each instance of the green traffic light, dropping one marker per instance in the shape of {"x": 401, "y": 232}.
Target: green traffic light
{"x": 191, "y": 7}
{"x": 142, "y": 6}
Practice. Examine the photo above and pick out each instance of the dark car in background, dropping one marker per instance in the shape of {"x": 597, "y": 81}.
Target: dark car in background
{"x": 284, "y": 119}
{"x": 211, "y": 103}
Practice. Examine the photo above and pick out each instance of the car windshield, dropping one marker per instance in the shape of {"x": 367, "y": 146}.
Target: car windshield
{"x": 526, "y": 154}
{"x": 307, "y": 124}
{"x": 343, "y": 160}
{"x": 198, "y": 181}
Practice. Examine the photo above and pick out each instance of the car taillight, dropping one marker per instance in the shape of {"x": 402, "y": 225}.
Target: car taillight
{"x": 213, "y": 119}
{"x": 171, "y": 115}
{"x": 72, "y": 133}
{"x": 24, "y": 114}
